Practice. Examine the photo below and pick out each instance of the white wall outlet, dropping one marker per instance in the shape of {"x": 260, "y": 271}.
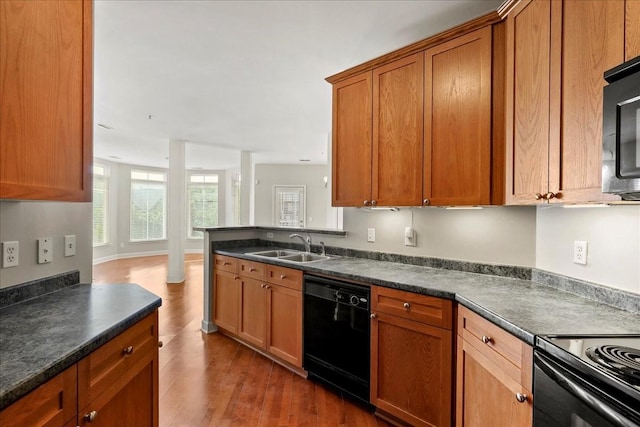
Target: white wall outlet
{"x": 371, "y": 235}
{"x": 410, "y": 238}
{"x": 45, "y": 250}
{"x": 9, "y": 254}
{"x": 70, "y": 245}
{"x": 580, "y": 252}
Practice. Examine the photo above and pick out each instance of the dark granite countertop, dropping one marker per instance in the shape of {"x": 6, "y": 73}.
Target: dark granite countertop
{"x": 43, "y": 336}
{"x": 524, "y": 308}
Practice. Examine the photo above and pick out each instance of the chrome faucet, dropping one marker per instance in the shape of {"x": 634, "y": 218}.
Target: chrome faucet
{"x": 306, "y": 241}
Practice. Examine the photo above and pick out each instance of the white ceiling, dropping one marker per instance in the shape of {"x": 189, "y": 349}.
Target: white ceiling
{"x": 240, "y": 75}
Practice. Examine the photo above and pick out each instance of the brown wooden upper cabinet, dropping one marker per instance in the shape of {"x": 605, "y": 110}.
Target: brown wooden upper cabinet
{"x": 556, "y": 55}
{"x": 46, "y": 102}
{"x": 457, "y": 121}
{"x": 377, "y": 136}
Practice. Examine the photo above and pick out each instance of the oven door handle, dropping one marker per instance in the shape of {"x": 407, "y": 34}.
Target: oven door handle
{"x": 591, "y": 400}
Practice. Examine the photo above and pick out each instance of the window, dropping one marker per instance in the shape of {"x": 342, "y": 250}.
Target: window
{"x": 202, "y": 199}
{"x": 289, "y": 204}
{"x": 100, "y": 204}
{"x": 148, "y": 206}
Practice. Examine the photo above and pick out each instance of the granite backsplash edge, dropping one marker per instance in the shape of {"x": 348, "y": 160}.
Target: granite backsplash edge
{"x": 35, "y": 288}
{"x": 618, "y": 298}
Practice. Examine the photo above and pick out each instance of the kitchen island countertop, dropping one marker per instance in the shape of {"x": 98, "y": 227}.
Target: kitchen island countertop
{"x": 43, "y": 336}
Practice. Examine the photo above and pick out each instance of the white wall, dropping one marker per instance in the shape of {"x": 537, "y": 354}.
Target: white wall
{"x": 28, "y": 221}
{"x": 268, "y": 175}
{"x": 613, "y": 236}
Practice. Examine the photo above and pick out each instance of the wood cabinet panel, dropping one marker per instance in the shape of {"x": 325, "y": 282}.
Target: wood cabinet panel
{"x": 253, "y": 314}
{"x": 528, "y": 38}
{"x": 592, "y": 41}
{"x": 46, "y": 109}
{"x": 287, "y": 277}
{"x": 226, "y": 300}
{"x": 417, "y": 393}
{"x": 632, "y": 29}
{"x": 50, "y": 405}
{"x": 408, "y": 305}
{"x": 398, "y": 132}
{"x": 352, "y": 133}
{"x": 285, "y": 324}
{"x": 226, "y": 263}
{"x": 115, "y": 360}
{"x": 457, "y": 126}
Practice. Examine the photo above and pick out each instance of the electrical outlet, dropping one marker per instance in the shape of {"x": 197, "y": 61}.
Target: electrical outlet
{"x": 410, "y": 237}
{"x": 45, "y": 250}
{"x": 70, "y": 245}
{"x": 580, "y": 252}
{"x": 9, "y": 254}
{"x": 371, "y": 235}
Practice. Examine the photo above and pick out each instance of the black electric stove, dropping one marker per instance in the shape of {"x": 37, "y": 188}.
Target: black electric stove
{"x": 587, "y": 381}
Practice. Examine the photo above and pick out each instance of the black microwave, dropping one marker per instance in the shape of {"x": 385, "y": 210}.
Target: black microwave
{"x": 621, "y": 131}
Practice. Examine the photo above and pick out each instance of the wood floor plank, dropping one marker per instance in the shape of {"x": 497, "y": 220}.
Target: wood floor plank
{"x": 212, "y": 380}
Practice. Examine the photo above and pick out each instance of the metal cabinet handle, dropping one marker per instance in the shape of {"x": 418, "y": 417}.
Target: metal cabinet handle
{"x": 267, "y": 286}
{"x": 374, "y": 202}
{"x": 521, "y": 397}
{"x": 551, "y": 195}
{"x": 128, "y": 350}
{"x": 366, "y": 203}
{"x": 425, "y": 202}
{"x": 486, "y": 339}
{"x": 283, "y": 276}
{"x": 160, "y": 344}
{"x": 226, "y": 263}
{"x": 373, "y": 315}
{"x": 251, "y": 270}
{"x": 262, "y": 285}
{"x": 406, "y": 306}
{"x": 538, "y": 196}
{"x": 91, "y": 416}
{"x": 236, "y": 277}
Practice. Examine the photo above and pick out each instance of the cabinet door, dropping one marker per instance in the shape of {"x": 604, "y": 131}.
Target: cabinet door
{"x": 457, "y": 131}
{"x": 587, "y": 39}
{"x": 253, "y": 314}
{"x": 398, "y": 132}
{"x": 486, "y": 394}
{"x": 50, "y": 405}
{"x": 411, "y": 376}
{"x": 632, "y": 30}
{"x": 226, "y": 300}
{"x": 46, "y": 100}
{"x": 351, "y": 153}
{"x": 528, "y": 38}
{"x": 285, "y": 324}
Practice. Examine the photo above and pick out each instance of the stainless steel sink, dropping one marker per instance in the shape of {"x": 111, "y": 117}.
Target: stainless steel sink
{"x": 276, "y": 253}
{"x": 304, "y": 257}
{"x": 290, "y": 255}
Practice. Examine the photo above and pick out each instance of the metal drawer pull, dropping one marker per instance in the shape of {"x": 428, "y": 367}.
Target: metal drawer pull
{"x": 262, "y": 285}
{"x": 91, "y": 416}
{"x": 226, "y": 263}
{"x": 406, "y": 306}
{"x": 160, "y": 344}
{"x": 283, "y": 276}
{"x": 521, "y": 397}
{"x": 373, "y": 315}
{"x": 538, "y": 196}
{"x": 127, "y": 351}
{"x": 267, "y": 286}
{"x": 486, "y": 339}
{"x": 236, "y": 277}
{"x": 251, "y": 270}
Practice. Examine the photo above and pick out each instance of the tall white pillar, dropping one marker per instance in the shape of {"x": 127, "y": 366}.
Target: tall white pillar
{"x": 246, "y": 187}
{"x": 176, "y": 209}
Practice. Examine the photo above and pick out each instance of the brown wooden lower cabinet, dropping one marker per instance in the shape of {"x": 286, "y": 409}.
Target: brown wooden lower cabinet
{"x": 117, "y": 384}
{"x": 253, "y": 312}
{"x": 494, "y": 375}
{"x": 411, "y": 361}
{"x": 226, "y": 300}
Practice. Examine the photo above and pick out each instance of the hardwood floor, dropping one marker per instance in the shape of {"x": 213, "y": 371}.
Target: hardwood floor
{"x": 212, "y": 380}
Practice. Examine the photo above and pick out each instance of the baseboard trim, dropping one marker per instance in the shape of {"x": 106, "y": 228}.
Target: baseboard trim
{"x": 97, "y": 261}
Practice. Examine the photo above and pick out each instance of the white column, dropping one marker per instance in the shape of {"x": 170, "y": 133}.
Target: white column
{"x": 246, "y": 188}
{"x": 176, "y": 209}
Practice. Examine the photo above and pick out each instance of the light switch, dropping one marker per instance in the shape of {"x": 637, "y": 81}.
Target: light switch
{"x": 70, "y": 245}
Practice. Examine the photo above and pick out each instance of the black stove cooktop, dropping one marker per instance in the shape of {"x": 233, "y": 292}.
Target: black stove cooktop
{"x": 614, "y": 360}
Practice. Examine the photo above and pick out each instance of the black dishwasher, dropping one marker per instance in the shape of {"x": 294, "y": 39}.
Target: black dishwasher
{"x": 336, "y": 335}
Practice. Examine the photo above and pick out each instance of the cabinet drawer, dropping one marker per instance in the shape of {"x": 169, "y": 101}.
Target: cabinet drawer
{"x": 489, "y": 338}
{"x": 254, "y": 270}
{"x": 51, "y": 404}
{"x": 286, "y": 277}
{"x": 117, "y": 359}
{"x": 421, "y": 308}
{"x": 226, "y": 263}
